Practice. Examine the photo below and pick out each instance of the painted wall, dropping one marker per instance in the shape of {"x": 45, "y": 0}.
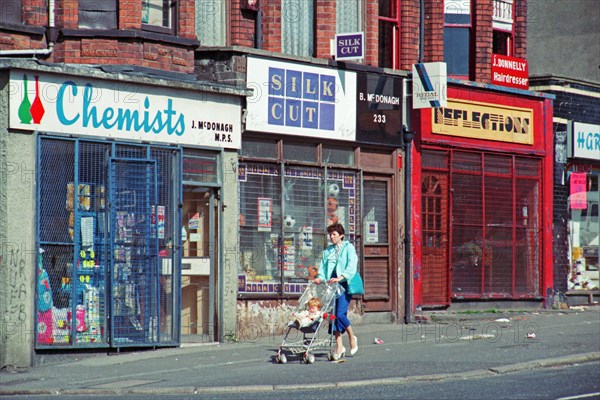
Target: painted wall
{"x": 17, "y": 240}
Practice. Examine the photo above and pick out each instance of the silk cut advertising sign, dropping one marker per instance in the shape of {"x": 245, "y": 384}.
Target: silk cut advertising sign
{"x": 304, "y": 100}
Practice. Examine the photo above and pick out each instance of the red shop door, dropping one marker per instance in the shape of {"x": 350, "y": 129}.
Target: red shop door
{"x": 434, "y": 217}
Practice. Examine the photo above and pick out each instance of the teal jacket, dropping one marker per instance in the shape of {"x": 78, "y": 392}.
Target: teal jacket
{"x": 345, "y": 266}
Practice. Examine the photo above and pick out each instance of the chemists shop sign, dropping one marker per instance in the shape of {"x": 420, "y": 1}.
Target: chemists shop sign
{"x": 120, "y": 110}
{"x": 305, "y": 100}
{"x": 484, "y": 121}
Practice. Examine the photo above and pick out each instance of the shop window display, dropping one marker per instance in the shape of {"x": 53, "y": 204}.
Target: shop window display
{"x": 584, "y": 232}
{"x": 101, "y": 223}
{"x": 283, "y": 219}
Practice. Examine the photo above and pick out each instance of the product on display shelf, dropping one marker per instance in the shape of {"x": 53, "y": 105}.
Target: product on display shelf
{"x": 91, "y": 299}
{"x": 44, "y": 327}
{"x": 61, "y": 330}
{"x": 69, "y": 204}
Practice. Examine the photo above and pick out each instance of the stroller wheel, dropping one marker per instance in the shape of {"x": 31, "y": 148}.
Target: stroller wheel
{"x": 308, "y": 358}
{"x": 281, "y": 358}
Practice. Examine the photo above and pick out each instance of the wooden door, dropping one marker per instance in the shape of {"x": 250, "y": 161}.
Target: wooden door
{"x": 378, "y": 249}
{"x": 434, "y": 217}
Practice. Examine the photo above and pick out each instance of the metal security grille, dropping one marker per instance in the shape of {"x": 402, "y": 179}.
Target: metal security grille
{"x": 94, "y": 232}
{"x": 135, "y": 250}
{"x": 491, "y": 230}
{"x": 168, "y": 220}
{"x": 284, "y": 211}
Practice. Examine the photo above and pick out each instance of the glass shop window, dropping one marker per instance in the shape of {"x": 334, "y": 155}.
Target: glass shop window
{"x": 200, "y": 166}
{"x": 284, "y": 211}
{"x": 336, "y": 155}
{"x": 306, "y": 152}
{"x": 584, "y": 232}
{"x": 259, "y": 148}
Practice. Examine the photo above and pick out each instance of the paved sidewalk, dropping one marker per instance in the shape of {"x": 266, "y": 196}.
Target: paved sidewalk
{"x": 448, "y": 346}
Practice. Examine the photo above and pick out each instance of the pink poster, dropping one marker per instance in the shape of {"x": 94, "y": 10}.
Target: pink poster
{"x": 578, "y": 198}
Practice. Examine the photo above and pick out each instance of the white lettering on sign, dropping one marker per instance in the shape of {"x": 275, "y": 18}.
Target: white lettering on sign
{"x": 516, "y": 80}
{"x": 514, "y": 65}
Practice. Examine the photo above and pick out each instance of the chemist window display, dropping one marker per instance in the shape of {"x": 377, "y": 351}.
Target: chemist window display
{"x": 283, "y": 222}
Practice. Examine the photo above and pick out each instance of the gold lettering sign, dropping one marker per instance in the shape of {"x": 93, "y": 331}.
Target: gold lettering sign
{"x": 484, "y": 121}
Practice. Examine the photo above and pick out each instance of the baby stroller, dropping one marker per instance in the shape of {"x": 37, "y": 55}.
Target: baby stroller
{"x": 310, "y": 338}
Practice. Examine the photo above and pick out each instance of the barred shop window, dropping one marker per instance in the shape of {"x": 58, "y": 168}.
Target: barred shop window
{"x": 95, "y": 14}
{"x": 159, "y": 15}
{"x": 10, "y": 12}
{"x": 389, "y": 34}
{"x": 495, "y": 224}
{"x": 284, "y": 211}
{"x": 457, "y": 36}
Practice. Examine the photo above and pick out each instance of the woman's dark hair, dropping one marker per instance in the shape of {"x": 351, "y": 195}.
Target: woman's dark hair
{"x": 339, "y": 228}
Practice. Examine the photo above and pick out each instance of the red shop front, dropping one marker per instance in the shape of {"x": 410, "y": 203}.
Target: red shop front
{"x": 482, "y": 198}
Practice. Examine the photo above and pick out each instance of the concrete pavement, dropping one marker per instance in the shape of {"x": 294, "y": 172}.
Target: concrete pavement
{"x": 448, "y": 346}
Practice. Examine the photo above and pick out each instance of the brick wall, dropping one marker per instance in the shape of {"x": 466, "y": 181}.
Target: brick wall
{"x": 434, "y": 31}
{"x": 243, "y": 25}
{"x": 482, "y": 27}
{"x": 560, "y": 247}
{"x": 271, "y": 25}
{"x": 482, "y": 13}
{"x": 409, "y": 50}
{"x": 78, "y": 49}
{"x": 325, "y": 27}
{"x": 371, "y": 32}
{"x": 520, "y": 17}
{"x": 35, "y": 12}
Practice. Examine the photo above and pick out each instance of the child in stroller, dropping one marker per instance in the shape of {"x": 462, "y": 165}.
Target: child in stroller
{"x": 321, "y": 299}
{"x": 310, "y": 315}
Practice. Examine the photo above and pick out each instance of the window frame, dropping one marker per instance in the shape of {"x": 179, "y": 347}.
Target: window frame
{"x": 18, "y": 16}
{"x": 281, "y": 207}
{"x": 503, "y": 28}
{"x": 394, "y": 19}
{"x": 172, "y": 30}
{"x": 460, "y": 25}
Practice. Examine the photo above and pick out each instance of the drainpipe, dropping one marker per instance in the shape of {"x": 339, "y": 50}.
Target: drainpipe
{"x": 421, "y": 30}
{"x": 407, "y": 138}
{"x": 35, "y": 52}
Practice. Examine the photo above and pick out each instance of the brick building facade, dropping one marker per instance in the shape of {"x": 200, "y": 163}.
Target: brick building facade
{"x": 199, "y": 49}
